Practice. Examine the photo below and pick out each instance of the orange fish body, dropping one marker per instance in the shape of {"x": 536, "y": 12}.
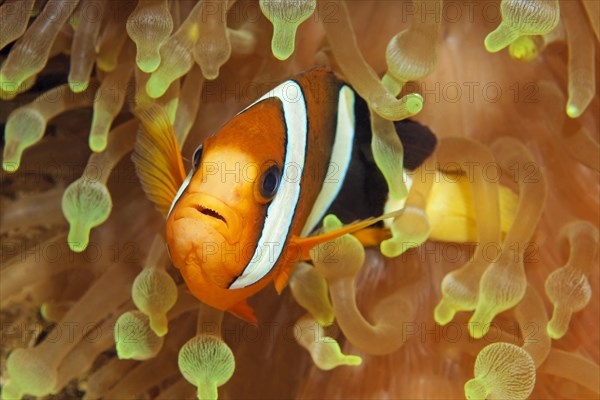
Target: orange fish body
{"x": 257, "y": 188}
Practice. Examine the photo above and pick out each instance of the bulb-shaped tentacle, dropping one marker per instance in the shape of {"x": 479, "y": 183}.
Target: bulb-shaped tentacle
{"x": 14, "y": 15}
{"x": 112, "y": 37}
{"x": 169, "y": 100}
{"x": 568, "y": 287}
{"x": 502, "y": 371}
{"x": 503, "y": 284}
{"x": 134, "y": 378}
{"x": 522, "y": 17}
{"x": 154, "y": 292}
{"x": 134, "y": 339}
{"x": 86, "y": 202}
{"x": 531, "y": 315}
{"x": 26, "y": 125}
{"x": 34, "y": 371}
{"x": 342, "y": 41}
{"x": 286, "y": 16}
{"x": 460, "y": 288}
{"x": 411, "y": 55}
{"x": 310, "y": 290}
{"x": 30, "y": 53}
{"x": 324, "y": 350}
{"x": 189, "y": 103}
{"x": 388, "y": 154}
{"x": 582, "y": 64}
{"x": 175, "y": 55}
{"x": 390, "y": 314}
{"x": 412, "y": 228}
{"x": 146, "y": 375}
{"x": 109, "y": 101}
{"x": 23, "y": 87}
{"x": 149, "y": 26}
{"x": 83, "y": 49}
{"x": 206, "y": 361}
{"x": 213, "y": 48}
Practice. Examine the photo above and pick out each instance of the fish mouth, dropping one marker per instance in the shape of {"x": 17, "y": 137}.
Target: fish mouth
{"x": 211, "y": 211}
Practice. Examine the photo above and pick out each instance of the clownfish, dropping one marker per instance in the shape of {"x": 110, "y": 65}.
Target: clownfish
{"x": 243, "y": 215}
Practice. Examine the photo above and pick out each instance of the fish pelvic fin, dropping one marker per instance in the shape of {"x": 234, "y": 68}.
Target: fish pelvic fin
{"x": 282, "y": 277}
{"x": 243, "y": 311}
{"x": 157, "y": 157}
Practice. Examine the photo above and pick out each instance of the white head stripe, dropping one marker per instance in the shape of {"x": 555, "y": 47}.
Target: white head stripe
{"x": 182, "y": 188}
{"x": 341, "y": 153}
{"x": 280, "y": 212}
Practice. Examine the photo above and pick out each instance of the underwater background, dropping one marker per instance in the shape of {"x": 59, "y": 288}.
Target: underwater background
{"x": 81, "y": 244}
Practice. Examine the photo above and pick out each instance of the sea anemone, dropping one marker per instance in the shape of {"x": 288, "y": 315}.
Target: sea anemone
{"x": 487, "y": 288}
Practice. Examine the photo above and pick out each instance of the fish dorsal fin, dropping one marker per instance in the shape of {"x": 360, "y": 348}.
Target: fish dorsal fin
{"x": 157, "y": 158}
{"x": 303, "y": 245}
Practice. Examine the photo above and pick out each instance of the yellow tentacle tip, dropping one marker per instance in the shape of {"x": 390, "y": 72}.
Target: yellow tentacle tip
{"x": 444, "y": 312}
{"x": 573, "y": 111}
{"x": 324, "y": 351}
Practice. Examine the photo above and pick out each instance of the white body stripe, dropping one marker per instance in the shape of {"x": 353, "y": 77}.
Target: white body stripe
{"x": 341, "y": 154}
{"x": 182, "y": 188}
{"x": 281, "y": 210}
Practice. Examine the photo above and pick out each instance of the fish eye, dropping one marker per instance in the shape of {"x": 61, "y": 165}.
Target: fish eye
{"x": 197, "y": 157}
{"x": 269, "y": 182}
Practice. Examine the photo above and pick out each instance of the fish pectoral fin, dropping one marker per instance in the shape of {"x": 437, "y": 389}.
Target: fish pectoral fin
{"x": 243, "y": 311}
{"x": 303, "y": 245}
{"x": 372, "y": 237}
{"x": 157, "y": 157}
{"x": 281, "y": 279}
